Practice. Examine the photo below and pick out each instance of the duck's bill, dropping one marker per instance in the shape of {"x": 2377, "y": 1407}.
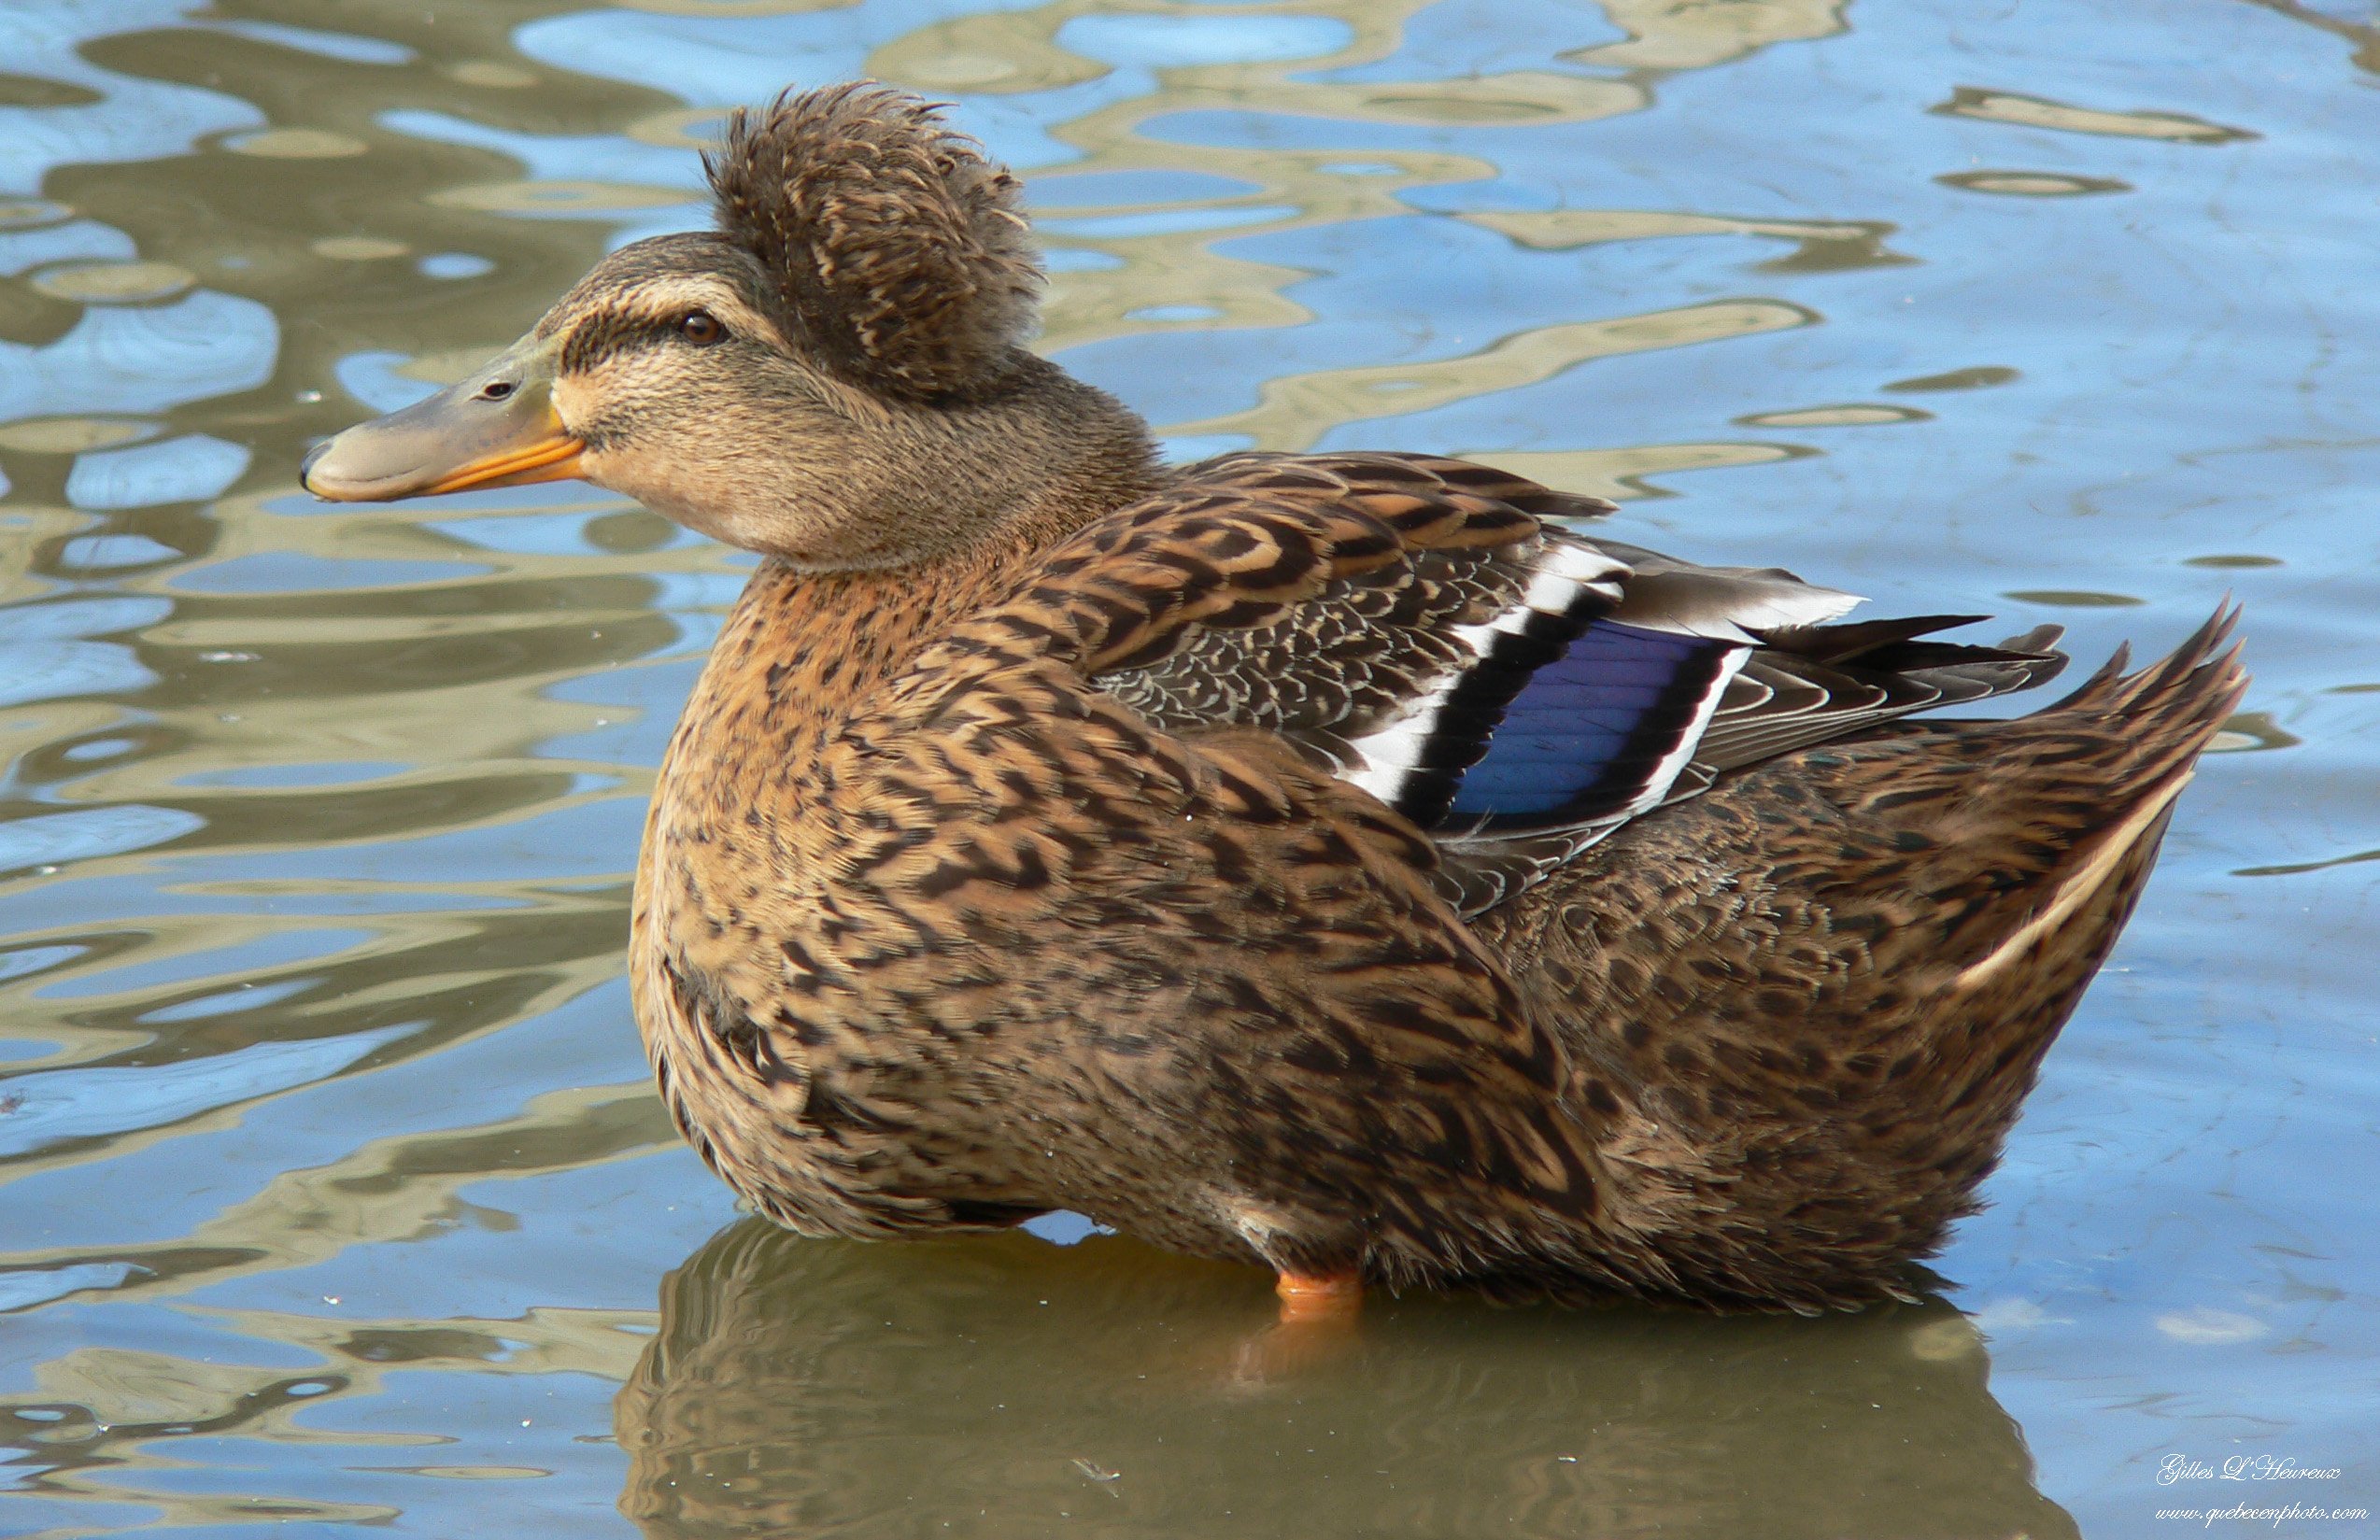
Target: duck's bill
{"x": 496, "y": 429}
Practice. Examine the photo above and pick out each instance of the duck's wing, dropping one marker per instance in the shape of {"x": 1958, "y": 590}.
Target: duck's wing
{"x": 1425, "y": 630}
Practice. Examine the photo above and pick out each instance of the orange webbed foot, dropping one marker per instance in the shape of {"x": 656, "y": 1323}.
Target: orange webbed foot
{"x": 1318, "y": 1313}
{"x": 1311, "y": 1299}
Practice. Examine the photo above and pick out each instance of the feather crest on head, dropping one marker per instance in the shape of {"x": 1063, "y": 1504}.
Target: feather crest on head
{"x": 897, "y": 247}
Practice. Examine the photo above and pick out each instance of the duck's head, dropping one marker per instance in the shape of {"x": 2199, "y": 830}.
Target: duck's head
{"x": 835, "y": 376}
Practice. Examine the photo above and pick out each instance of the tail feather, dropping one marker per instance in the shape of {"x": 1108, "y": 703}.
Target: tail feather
{"x": 2173, "y": 706}
{"x": 2145, "y": 730}
{"x": 2111, "y": 689}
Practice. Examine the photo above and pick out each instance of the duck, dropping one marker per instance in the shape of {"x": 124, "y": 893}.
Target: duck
{"x": 1350, "y": 863}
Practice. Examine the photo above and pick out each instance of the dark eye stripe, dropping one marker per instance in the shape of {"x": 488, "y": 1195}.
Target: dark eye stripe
{"x": 611, "y": 333}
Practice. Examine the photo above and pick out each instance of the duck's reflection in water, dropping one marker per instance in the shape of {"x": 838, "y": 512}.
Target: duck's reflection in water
{"x": 998, "y": 1386}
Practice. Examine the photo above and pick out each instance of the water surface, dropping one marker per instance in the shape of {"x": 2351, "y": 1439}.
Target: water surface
{"x": 335, "y": 1196}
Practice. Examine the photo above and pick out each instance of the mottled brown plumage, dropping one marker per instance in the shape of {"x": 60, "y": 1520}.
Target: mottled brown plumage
{"x": 898, "y": 250}
{"x": 1340, "y": 862}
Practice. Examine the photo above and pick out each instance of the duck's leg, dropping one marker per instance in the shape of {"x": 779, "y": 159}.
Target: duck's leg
{"x": 1307, "y": 1298}
{"x": 1317, "y": 1326}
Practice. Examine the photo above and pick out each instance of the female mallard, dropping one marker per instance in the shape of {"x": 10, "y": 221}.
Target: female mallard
{"x": 1327, "y": 860}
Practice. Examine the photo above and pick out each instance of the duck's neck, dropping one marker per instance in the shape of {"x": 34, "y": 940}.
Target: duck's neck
{"x": 845, "y": 479}
{"x": 1036, "y": 459}
{"x": 804, "y": 650}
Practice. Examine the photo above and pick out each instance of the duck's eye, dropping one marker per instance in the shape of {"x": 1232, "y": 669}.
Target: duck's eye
{"x": 701, "y": 327}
